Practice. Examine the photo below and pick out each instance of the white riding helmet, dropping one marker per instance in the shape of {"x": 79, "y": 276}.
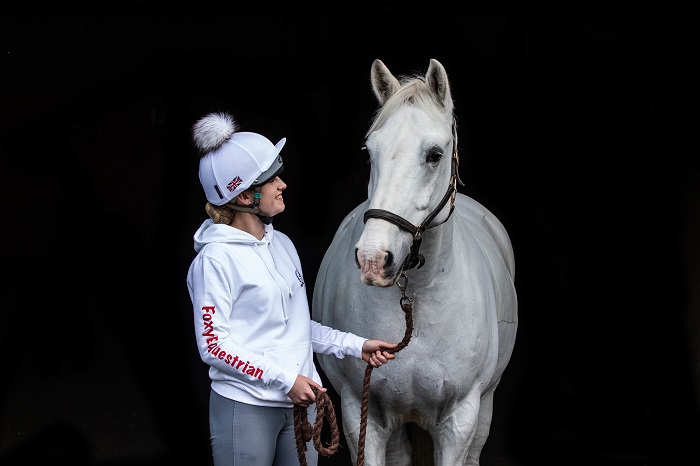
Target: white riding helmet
{"x": 233, "y": 161}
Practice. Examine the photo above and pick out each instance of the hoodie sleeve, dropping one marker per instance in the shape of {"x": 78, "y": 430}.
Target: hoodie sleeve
{"x": 211, "y": 296}
{"x": 327, "y": 340}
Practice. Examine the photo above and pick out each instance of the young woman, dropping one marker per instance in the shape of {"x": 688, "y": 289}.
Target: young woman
{"x": 251, "y": 313}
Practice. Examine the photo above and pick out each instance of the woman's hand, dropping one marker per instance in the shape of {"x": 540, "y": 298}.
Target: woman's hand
{"x": 378, "y": 352}
{"x": 301, "y": 393}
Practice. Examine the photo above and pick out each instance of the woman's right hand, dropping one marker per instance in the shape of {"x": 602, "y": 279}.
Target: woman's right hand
{"x": 301, "y": 393}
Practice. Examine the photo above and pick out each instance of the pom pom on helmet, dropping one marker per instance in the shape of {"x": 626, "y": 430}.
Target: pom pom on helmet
{"x": 212, "y": 131}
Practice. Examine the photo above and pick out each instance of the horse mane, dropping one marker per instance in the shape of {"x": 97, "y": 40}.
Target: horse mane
{"x": 413, "y": 91}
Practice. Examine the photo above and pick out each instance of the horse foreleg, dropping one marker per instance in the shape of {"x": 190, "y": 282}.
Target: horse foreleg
{"x": 350, "y": 407}
{"x": 375, "y": 445}
{"x": 373, "y": 449}
{"x": 453, "y": 436}
{"x": 398, "y": 449}
{"x": 377, "y": 435}
{"x": 483, "y": 428}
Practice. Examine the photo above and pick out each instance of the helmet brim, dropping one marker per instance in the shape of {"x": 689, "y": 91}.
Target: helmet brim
{"x": 275, "y": 168}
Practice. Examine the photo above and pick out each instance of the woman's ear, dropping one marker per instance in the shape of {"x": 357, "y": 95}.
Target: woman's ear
{"x": 244, "y": 198}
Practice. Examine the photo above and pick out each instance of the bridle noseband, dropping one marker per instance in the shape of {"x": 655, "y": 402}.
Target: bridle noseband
{"x": 414, "y": 258}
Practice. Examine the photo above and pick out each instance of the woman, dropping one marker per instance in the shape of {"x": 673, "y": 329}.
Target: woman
{"x": 251, "y": 313}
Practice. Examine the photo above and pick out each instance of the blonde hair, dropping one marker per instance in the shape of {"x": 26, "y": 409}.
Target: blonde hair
{"x": 219, "y": 213}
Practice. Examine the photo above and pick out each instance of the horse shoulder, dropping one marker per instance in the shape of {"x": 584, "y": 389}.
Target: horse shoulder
{"x": 496, "y": 246}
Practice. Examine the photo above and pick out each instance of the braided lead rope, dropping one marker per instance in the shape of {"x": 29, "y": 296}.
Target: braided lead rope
{"x": 304, "y": 432}
{"x": 407, "y": 308}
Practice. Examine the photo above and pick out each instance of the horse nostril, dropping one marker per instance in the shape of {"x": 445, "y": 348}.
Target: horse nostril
{"x": 357, "y": 262}
{"x": 389, "y": 260}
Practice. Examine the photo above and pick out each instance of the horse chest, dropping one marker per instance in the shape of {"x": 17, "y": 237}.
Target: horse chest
{"x": 422, "y": 387}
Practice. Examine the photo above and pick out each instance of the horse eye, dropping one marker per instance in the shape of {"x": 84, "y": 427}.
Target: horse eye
{"x": 434, "y": 156}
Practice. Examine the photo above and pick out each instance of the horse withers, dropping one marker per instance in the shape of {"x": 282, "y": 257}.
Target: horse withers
{"x": 452, "y": 262}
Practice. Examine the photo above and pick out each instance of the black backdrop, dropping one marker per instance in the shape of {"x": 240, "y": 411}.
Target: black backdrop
{"x": 577, "y": 128}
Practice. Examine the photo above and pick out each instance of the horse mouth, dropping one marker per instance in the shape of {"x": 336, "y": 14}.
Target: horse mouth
{"x": 383, "y": 283}
{"x": 378, "y": 269}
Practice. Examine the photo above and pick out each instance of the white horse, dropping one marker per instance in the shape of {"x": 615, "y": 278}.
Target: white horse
{"x": 461, "y": 294}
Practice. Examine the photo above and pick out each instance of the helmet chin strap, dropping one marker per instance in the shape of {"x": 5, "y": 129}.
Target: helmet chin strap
{"x": 265, "y": 219}
{"x": 254, "y": 209}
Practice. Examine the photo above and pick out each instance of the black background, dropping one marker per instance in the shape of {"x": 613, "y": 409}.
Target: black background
{"x": 578, "y": 128}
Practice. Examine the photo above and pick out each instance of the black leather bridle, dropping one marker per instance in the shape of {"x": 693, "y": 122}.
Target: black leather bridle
{"x": 414, "y": 258}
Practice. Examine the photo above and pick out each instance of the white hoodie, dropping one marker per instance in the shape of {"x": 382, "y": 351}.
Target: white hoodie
{"x": 251, "y": 315}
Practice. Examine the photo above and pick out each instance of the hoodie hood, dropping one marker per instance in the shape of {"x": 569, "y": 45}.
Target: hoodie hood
{"x": 210, "y": 232}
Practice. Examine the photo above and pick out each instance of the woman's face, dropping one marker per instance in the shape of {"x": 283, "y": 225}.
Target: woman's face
{"x": 271, "y": 201}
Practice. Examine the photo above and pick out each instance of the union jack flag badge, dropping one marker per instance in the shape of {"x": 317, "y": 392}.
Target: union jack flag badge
{"x": 234, "y": 183}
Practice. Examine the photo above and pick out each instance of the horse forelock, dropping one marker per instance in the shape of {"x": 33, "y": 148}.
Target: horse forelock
{"x": 413, "y": 91}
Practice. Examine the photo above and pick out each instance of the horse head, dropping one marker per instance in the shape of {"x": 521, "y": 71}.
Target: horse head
{"x": 412, "y": 147}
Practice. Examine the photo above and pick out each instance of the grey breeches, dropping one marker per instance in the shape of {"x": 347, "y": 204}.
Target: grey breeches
{"x": 243, "y": 434}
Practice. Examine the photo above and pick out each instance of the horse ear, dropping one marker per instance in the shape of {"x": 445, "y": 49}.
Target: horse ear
{"x": 437, "y": 81}
{"x": 384, "y": 84}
